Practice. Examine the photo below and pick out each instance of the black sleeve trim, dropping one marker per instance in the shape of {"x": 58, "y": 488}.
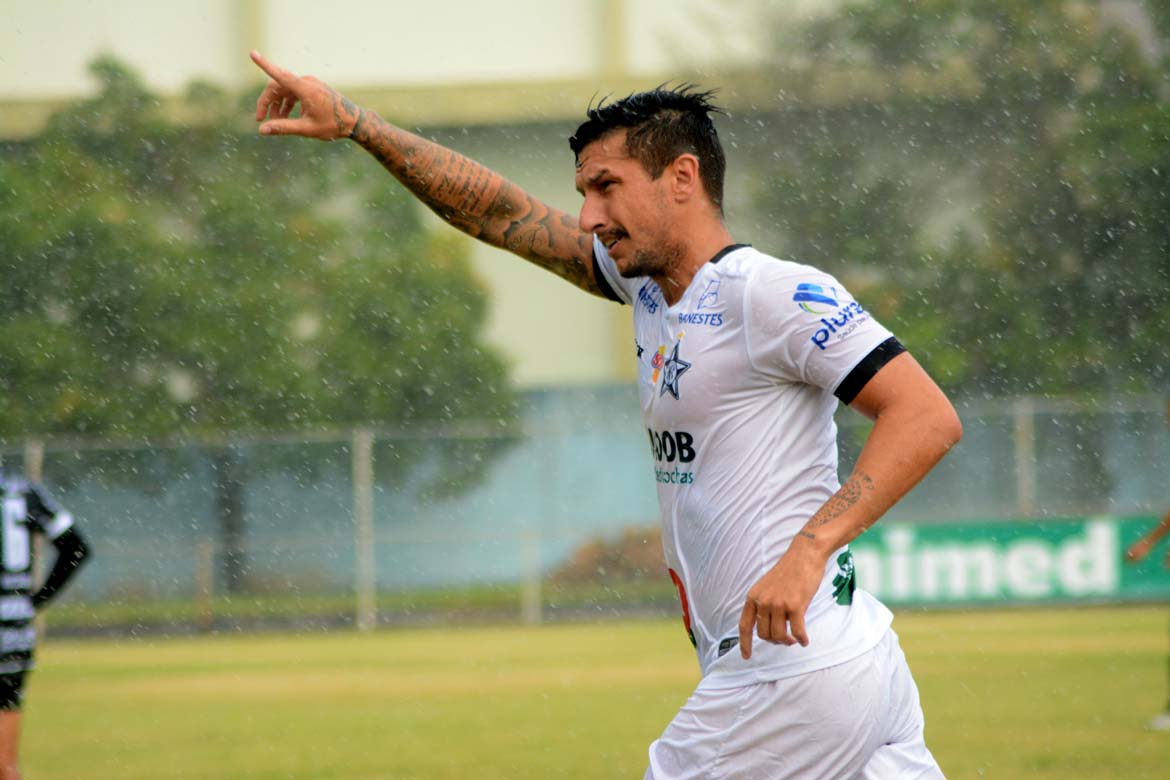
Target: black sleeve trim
{"x": 603, "y": 283}
{"x": 72, "y": 552}
{"x": 865, "y": 370}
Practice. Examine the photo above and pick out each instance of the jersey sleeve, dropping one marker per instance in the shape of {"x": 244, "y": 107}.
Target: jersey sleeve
{"x": 613, "y": 285}
{"x": 46, "y": 513}
{"x": 72, "y": 552}
{"x": 804, "y": 326}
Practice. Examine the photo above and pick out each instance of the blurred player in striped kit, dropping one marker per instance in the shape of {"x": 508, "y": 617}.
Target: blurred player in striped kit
{"x": 28, "y": 512}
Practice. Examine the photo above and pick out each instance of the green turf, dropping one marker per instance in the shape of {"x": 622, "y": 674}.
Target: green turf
{"x": 1043, "y": 695}
{"x": 489, "y": 600}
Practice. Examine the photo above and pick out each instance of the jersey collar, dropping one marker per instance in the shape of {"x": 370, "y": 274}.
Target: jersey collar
{"x": 725, "y": 251}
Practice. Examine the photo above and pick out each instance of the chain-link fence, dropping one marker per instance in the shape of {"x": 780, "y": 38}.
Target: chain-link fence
{"x": 556, "y": 517}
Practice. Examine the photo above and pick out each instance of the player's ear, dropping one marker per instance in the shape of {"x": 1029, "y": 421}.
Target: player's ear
{"x": 685, "y": 177}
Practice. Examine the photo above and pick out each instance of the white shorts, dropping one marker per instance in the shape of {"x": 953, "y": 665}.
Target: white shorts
{"x": 860, "y": 720}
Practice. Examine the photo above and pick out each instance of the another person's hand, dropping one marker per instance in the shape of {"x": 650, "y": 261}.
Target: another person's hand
{"x": 776, "y": 604}
{"x": 1138, "y": 550}
{"x": 325, "y": 113}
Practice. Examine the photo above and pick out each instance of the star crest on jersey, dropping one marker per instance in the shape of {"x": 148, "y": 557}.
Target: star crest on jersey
{"x": 672, "y": 369}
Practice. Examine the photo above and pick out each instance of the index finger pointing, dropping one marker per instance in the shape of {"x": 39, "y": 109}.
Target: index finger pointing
{"x": 279, "y": 75}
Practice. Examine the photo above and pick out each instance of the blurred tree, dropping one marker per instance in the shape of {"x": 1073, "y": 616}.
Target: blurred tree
{"x": 994, "y": 177}
{"x": 193, "y": 279}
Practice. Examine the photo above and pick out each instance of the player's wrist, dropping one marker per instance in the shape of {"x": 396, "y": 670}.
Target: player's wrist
{"x": 814, "y": 543}
{"x": 359, "y": 120}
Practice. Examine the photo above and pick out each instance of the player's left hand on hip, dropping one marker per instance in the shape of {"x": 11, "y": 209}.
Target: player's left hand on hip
{"x": 775, "y": 606}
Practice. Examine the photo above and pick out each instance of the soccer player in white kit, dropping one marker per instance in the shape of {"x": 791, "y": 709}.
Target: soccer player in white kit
{"x": 742, "y": 360}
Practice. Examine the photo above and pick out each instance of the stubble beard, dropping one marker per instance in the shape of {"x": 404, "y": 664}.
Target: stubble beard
{"x": 657, "y": 262}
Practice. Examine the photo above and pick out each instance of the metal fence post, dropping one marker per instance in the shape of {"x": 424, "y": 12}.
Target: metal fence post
{"x": 530, "y": 597}
{"x": 204, "y": 584}
{"x": 34, "y": 460}
{"x": 34, "y": 470}
{"x": 1024, "y": 416}
{"x": 365, "y": 584}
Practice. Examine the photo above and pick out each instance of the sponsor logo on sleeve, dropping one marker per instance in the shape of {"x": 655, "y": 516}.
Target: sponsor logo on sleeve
{"x": 816, "y": 299}
{"x": 838, "y": 318}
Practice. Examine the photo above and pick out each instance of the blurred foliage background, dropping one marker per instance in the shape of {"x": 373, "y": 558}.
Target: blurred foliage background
{"x": 997, "y": 179}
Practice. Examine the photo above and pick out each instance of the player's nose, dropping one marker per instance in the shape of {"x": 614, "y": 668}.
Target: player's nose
{"x": 592, "y": 217}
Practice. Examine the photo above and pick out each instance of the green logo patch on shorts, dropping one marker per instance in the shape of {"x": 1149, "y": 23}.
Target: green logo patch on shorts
{"x": 846, "y": 580}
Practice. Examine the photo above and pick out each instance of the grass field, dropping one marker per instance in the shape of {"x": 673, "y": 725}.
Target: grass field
{"x": 1008, "y": 695}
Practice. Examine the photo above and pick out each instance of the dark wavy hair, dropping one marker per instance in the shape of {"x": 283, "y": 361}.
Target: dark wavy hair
{"x": 663, "y": 123}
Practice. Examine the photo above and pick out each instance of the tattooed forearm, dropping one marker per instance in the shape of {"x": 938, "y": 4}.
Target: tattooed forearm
{"x": 552, "y": 240}
{"x": 478, "y": 201}
{"x": 843, "y": 500}
{"x": 858, "y": 484}
{"x": 344, "y": 110}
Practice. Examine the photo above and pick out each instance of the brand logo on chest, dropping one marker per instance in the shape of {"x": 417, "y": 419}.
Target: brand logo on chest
{"x": 703, "y": 313}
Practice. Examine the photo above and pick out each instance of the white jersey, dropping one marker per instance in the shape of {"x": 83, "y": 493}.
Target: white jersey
{"x": 737, "y": 382}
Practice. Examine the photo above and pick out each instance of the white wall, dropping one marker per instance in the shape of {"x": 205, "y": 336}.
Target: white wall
{"x": 45, "y": 46}
{"x": 552, "y": 333}
{"x": 408, "y": 42}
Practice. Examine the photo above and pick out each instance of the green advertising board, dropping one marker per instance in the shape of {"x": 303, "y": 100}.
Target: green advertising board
{"x": 1010, "y": 561}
